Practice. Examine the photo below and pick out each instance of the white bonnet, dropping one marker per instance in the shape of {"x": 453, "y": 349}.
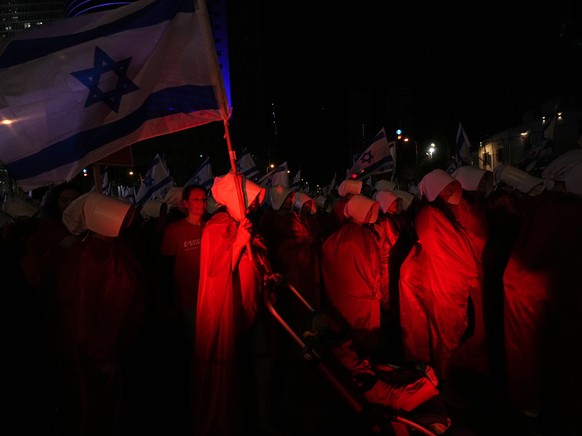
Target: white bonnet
{"x": 469, "y": 176}
{"x": 518, "y": 179}
{"x": 384, "y": 185}
{"x": 385, "y": 199}
{"x": 277, "y": 195}
{"x": 224, "y": 191}
{"x": 349, "y": 187}
{"x": 99, "y": 213}
{"x": 433, "y": 183}
{"x": 362, "y": 209}
{"x": 301, "y": 198}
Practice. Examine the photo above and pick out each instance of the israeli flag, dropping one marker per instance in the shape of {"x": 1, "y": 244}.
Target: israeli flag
{"x": 74, "y": 91}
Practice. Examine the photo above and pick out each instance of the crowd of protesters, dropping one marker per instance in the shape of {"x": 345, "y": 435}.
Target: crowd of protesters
{"x": 121, "y": 312}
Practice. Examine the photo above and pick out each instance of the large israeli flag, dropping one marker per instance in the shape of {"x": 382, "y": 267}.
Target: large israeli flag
{"x": 76, "y": 90}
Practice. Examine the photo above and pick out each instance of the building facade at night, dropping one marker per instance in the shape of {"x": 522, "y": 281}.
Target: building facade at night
{"x": 18, "y": 15}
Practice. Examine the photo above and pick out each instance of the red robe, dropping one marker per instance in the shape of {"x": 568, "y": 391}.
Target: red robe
{"x": 436, "y": 279}
{"x": 227, "y": 308}
{"x": 101, "y": 306}
{"x": 295, "y": 252}
{"x": 351, "y": 274}
{"x": 543, "y": 307}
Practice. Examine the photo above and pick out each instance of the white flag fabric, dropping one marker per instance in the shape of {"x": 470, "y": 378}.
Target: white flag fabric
{"x": 379, "y": 157}
{"x": 279, "y": 176}
{"x": 246, "y": 166}
{"x": 463, "y": 147}
{"x": 296, "y": 184}
{"x": 543, "y": 147}
{"x": 105, "y": 184}
{"x": 203, "y": 176}
{"x": 76, "y": 90}
{"x": 327, "y": 190}
{"x": 156, "y": 182}
{"x": 126, "y": 192}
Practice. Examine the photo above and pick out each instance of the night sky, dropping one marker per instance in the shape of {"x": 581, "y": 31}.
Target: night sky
{"x": 481, "y": 63}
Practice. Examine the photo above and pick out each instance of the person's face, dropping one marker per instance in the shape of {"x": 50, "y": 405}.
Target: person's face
{"x": 452, "y": 192}
{"x": 306, "y": 208}
{"x": 196, "y": 202}
{"x": 288, "y": 203}
{"x": 395, "y": 207}
{"x": 66, "y": 197}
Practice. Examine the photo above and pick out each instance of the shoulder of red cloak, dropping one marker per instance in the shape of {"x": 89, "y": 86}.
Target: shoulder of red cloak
{"x": 350, "y": 237}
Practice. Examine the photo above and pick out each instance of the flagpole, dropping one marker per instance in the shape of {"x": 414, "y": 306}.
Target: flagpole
{"x": 238, "y": 179}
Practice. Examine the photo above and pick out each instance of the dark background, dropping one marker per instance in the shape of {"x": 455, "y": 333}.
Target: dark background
{"x": 480, "y": 63}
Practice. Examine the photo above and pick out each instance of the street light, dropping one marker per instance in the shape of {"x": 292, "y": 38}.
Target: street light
{"x": 431, "y": 150}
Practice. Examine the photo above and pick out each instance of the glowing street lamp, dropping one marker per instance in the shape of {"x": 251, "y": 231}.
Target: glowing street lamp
{"x": 431, "y": 150}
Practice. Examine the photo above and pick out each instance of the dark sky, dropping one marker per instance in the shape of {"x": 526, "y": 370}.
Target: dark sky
{"x": 481, "y": 63}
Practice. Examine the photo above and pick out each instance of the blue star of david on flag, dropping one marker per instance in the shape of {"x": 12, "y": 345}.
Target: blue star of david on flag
{"x": 91, "y": 78}
{"x": 379, "y": 157}
{"x": 366, "y": 157}
{"x": 148, "y": 181}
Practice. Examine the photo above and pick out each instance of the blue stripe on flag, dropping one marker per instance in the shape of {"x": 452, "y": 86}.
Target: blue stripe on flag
{"x": 24, "y": 50}
{"x": 171, "y": 101}
{"x": 150, "y": 192}
{"x": 369, "y": 170}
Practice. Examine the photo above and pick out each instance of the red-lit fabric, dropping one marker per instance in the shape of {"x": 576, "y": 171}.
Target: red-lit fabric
{"x": 100, "y": 304}
{"x": 295, "y": 252}
{"x": 351, "y": 276}
{"x": 472, "y": 354}
{"x": 543, "y": 307}
{"x": 43, "y": 254}
{"x": 405, "y": 396}
{"x": 101, "y": 298}
{"x": 388, "y": 230}
{"x": 227, "y": 307}
{"x": 436, "y": 279}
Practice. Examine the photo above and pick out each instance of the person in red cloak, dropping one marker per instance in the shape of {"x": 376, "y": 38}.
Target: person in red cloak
{"x": 345, "y": 190}
{"x": 228, "y": 303}
{"x": 438, "y": 280}
{"x": 101, "y": 312}
{"x": 50, "y": 240}
{"x": 543, "y": 302}
{"x": 351, "y": 275}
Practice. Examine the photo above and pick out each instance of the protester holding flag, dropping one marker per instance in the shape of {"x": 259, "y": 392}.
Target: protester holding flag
{"x": 228, "y": 302}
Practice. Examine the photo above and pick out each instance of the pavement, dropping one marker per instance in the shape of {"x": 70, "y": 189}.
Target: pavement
{"x": 156, "y": 395}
